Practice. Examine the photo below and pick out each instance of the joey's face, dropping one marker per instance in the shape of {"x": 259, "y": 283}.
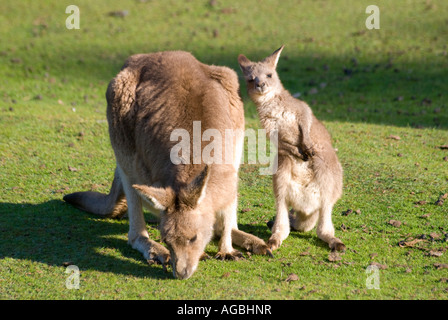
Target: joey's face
{"x": 261, "y": 80}
{"x": 186, "y": 236}
{"x": 261, "y": 77}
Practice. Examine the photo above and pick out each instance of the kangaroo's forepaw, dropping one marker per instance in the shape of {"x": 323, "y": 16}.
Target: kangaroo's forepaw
{"x": 307, "y": 152}
{"x": 162, "y": 259}
{"x": 310, "y": 151}
{"x": 274, "y": 243}
{"x": 234, "y": 255}
{"x": 337, "y": 245}
{"x": 204, "y": 256}
{"x": 158, "y": 254}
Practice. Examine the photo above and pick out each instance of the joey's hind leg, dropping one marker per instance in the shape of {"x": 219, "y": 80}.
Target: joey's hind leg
{"x": 138, "y": 236}
{"x": 325, "y": 229}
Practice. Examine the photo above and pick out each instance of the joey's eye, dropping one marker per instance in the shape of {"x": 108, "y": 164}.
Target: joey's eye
{"x": 193, "y": 239}
{"x": 251, "y": 80}
{"x": 269, "y": 75}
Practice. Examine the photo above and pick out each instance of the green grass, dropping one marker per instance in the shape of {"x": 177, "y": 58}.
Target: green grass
{"x": 52, "y": 117}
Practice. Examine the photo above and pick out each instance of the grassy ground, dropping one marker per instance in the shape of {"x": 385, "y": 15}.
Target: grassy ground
{"x": 366, "y": 85}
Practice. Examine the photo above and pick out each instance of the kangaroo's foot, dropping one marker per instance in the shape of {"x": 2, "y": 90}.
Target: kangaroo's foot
{"x": 250, "y": 242}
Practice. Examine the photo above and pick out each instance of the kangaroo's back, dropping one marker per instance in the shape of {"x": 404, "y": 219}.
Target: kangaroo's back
{"x": 157, "y": 93}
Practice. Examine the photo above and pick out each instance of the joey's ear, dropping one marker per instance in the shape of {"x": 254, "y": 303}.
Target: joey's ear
{"x": 244, "y": 63}
{"x": 195, "y": 191}
{"x": 161, "y": 198}
{"x": 273, "y": 58}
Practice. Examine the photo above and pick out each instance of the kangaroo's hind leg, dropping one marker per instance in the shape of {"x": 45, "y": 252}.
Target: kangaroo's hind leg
{"x": 227, "y": 229}
{"x": 112, "y": 205}
{"x": 250, "y": 242}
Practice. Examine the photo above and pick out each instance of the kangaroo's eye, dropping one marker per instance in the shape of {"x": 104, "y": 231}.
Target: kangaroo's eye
{"x": 251, "y": 80}
{"x": 193, "y": 239}
{"x": 269, "y": 75}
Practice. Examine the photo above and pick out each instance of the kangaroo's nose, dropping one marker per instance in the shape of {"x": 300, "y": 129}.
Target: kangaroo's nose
{"x": 184, "y": 274}
{"x": 260, "y": 84}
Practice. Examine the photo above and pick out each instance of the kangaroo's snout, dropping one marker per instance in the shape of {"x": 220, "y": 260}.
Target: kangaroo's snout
{"x": 259, "y": 83}
{"x": 183, "y": 275}
{"x": 183, "y": 269}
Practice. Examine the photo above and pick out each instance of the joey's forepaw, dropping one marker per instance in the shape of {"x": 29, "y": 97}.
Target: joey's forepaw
{"x": 307, "y": 153}
{"x": 310, "y": 152}
{"x": 234, "y": 255}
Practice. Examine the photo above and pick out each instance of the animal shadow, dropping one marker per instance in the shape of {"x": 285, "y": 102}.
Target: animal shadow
{"x": 57, "y": 234}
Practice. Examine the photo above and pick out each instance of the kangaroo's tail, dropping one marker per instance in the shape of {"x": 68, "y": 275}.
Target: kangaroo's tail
{"x": 112, "y": 205}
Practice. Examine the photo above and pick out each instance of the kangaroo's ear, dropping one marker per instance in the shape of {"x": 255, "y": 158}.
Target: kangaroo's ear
{"x": 194, "y": 192}
{"x": 244, "y": 63}
{"x": 161, "y": 198}
{"x": 273, "y": 58}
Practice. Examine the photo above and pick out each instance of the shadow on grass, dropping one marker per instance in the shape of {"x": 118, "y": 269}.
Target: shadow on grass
{"x": 310, "y": 238}
{"x": 56, "y": 234}
{"x": 386, "y": 89}
{"x": 372, "y": 91}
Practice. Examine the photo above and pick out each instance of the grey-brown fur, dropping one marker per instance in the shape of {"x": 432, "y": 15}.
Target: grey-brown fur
{"x": 151, "y": 96}
{"x": 309, "y": 175}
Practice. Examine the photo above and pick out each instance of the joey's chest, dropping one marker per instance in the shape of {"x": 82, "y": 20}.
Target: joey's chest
{"x": 277, "y": 119}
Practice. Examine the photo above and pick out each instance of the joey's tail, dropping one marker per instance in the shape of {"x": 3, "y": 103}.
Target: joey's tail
{"x": 112, "y": 205}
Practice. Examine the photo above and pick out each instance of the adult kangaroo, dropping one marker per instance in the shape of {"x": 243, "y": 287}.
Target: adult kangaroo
{"x": 151, "y": 97}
